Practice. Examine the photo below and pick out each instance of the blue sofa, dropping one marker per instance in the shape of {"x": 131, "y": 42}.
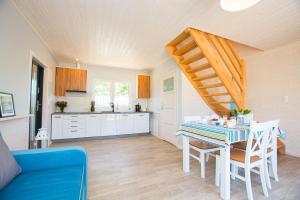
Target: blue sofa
{"x": 49, "y": 174}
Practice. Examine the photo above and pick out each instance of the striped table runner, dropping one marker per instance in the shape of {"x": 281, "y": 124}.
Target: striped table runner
{"x": 230, "y": 135}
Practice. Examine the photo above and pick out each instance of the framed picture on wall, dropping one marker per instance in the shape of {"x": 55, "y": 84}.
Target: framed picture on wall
{"x": 7, "y": 108}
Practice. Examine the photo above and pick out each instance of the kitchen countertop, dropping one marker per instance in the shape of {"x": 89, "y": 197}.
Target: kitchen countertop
{"x": 103, "y": 112}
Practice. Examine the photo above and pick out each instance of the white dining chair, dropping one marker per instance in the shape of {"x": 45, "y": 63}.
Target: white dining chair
{"x": 203, "y": 148}
{"x": 252, "y": 158}
{"x": 271, "y": 152}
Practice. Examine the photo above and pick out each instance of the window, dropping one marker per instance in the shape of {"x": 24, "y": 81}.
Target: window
{"x": 121, "y": 94}
{"x": 112, "y": 91}
{"x": 102, "y": 93}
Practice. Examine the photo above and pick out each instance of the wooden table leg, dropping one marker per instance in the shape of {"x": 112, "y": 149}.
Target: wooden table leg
{"x": 225, "y": 172}
{"x": 186, "y": 154}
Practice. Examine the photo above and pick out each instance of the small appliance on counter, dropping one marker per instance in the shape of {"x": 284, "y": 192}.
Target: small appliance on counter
{"x": 138, "y": 108}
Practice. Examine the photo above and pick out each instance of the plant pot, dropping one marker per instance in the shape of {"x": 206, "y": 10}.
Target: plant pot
{"x": 245, "y": 119}
{"x": 92, "y": 109}
{"x": 61, "y": 109}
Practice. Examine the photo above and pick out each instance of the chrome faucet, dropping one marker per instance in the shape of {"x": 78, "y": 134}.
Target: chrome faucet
{"x": 112, "y": 105}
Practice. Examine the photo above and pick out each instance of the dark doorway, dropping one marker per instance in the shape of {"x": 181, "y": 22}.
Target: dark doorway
{"x": 36, "y": 100}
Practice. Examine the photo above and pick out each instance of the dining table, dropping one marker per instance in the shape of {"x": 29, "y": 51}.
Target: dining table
{"x": 220, "y": 136}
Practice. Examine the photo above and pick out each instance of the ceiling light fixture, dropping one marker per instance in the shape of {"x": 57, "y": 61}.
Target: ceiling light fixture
{"x": 237, "y": 5}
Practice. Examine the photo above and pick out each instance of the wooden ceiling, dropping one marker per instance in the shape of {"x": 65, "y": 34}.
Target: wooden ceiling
{"x": 132, "y": 33}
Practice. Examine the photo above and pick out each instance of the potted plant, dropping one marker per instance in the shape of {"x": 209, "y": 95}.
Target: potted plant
{"x": 244, "y": 116}
{"x": 61, "y": 105}
{"x": 93, "y": 106}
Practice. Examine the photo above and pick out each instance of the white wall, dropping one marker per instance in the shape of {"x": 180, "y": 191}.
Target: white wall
{"x": 192, "y": 103}
{"x": 271, "y": 76}
{"x": 80, "y": 102}
{"x": 189, "y": 103}
{"x": 18, "y": 44}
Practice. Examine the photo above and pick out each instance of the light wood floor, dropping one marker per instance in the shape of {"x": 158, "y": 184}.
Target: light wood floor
{"x": 145, "y": 167}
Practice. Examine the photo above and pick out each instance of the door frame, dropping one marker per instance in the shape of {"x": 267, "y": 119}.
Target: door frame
{"x": 176, "y": 74}
{"x": 45, "y": 102}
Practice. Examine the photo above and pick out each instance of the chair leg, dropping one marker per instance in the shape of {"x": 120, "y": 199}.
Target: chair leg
{"x": 217, "y": 176}
{"x": 263, "y": 180}
{"x": 274, "y": 166}
{"x": 202, "y": 164}
{"x": 267, "y": 175}
{"x": 248, "y": 183}
{"x": 234, "y": 170}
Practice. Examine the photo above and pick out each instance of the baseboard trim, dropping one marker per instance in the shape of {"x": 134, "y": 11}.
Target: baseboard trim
{"x": 99, "y": 137}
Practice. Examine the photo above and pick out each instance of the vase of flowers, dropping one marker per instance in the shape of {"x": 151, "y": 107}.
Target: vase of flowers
{"x": 61, "y": 105}
{"x": 93, "y": 106}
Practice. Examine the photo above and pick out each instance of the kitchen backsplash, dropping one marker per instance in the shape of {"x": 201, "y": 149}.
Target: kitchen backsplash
{"x": 81, "y": 103}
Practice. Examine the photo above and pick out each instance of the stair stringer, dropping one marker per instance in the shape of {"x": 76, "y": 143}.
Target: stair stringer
{"x": 184, "y": 69}
{"x": 222, "y": 58}
{"x": 215, "y": 62}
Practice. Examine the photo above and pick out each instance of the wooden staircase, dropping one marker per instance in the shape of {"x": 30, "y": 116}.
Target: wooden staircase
{"x": 212, "y": 66}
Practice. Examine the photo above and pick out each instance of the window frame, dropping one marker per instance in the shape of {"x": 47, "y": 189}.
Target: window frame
{"x": 112, "y": 94}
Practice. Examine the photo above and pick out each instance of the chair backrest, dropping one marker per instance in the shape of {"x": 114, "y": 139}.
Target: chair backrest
{"x": 272, "y": 138}
{"x": 191, "y": 119}
{"x": 257, "y": 140}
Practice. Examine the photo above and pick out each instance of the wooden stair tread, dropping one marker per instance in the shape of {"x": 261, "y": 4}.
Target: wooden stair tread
{"x": 205, "y": 77}
{"x": 192, "y": 59}
{"x": 184, "y": 35}
{"x": 200, "y": 68}
{"x": 186, "y": 48}
{"x": 220, "y": 102}
{"x": 216, "y": 94}
{"x": 212, "y": 86}
{"x": 280, "y": 146}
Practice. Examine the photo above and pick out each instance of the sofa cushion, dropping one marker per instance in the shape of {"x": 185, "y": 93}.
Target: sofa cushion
{"x": 54, "y": 184}
{"x": 9, "y": 168}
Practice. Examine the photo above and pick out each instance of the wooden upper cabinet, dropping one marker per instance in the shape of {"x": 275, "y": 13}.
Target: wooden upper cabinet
{"x": 143, "y": 87}
{"x": 70, "y": 79}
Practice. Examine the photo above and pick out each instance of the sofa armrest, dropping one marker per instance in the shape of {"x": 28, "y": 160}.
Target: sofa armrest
{"x": 49, "y": 158}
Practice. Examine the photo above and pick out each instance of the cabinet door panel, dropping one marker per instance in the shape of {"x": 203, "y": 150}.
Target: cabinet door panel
{"x": 143, "y": 87}
{"x": 141, "y": 123}
{"x": 93, "y": 125}
{"x": 108, "y": 125}
{"x": 57, "y": 127}
{"x": 124, "y": 124}
{"x": 69, "y": 79}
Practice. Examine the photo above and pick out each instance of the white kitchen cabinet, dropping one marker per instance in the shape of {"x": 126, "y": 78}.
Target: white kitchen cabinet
{"x": 69, "y": 133}
{"x": 108, "y": 124}
{"x": 68, "y": 126}
{"x": 74, "y": 126}
{"x": 93, "y": 125}
{"x": 57, "y": 127}
{"x": 124, "y": 124}
{"x": 141, "y": 123}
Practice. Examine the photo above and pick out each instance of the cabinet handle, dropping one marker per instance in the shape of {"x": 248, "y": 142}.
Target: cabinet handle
{"x": 74, "y": 121}
{"x": 56, "y": 117}
{"x": 125, "y": 115}
{"x": 73, "y": 131}
{"x": 93, "y": 116}
{"x": 141, "y": 115}
{"x": 74, "y": 126}
{"x": 74, "y": 116}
